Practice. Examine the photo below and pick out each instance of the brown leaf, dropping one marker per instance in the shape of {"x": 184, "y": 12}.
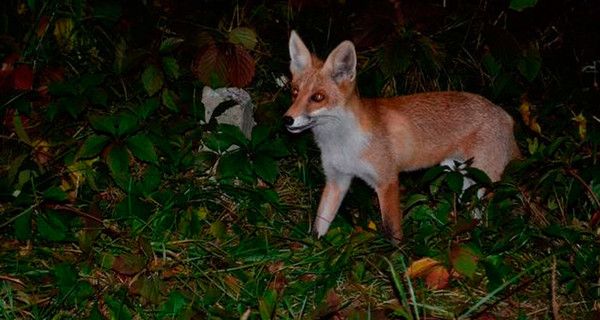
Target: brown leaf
{"x": 23, "y": 77}
{"x": 211, "y": 66}
{"x": 438, "y": 278}
{"x": 421, "y": 267}
{"x": 128, "y": 263}
{"x": 240, "y": 66}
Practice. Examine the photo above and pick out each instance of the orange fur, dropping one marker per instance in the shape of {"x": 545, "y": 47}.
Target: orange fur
{"x": 375, "y": 139}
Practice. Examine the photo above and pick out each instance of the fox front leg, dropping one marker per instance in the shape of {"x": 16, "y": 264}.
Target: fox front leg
{"x": 333, "y": 194}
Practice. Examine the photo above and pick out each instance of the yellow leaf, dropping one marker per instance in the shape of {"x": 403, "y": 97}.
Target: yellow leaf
{"x": 63, "y": 31}
{"x": 372, "y": 225}
{"x": 421, "y": 267}
{"x": 525, "y": 110}
{"x": 581, "y": 122}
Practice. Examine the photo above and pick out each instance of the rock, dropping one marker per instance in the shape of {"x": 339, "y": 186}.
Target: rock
{"x": 240, "y": 115}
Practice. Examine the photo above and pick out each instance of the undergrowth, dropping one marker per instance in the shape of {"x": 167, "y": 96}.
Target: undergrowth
{"x": 119, "y": 200}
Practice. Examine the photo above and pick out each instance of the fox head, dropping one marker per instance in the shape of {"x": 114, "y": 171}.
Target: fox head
{"x": 319, "y": 89}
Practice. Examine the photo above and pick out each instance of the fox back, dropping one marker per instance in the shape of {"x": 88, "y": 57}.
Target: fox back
{"x": 375, "y": 139}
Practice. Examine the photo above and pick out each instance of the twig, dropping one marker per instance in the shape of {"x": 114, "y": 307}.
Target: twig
{"x": 554, "y": 289}
{"x": 79, "y": 212}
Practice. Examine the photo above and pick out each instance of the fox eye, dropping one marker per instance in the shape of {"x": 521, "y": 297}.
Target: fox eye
{"x": 317, "y": 97}
{"x": 294, "y": 92}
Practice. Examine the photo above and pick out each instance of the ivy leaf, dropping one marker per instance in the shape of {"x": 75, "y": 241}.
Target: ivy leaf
{"x": 240, "y": 67}
{"x": 142, "y": 148}
{"x": 210, "y": 66}
{"x": 152, "y": 79}
{"x": 432, "y": 173}
{"x": 22, "y": 226}
{"x": 148, "y": 107}
{"x": 174, "y": 305}
{"x": 50, "y": 227}
{"x": 127, "y": 122}
{"x": 233, "y": 135}
{"x": 151, "y": 179}
{"x": 92, "y": 146}
{"x": 265, "y": 167}
{"x": 259, "y": 135}
{"x": 233, "y": 163}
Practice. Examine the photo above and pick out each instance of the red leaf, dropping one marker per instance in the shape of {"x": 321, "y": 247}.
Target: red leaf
{"x": 128, "y": 264}
{"x": 23, "y": 77}
{"x": 210, "y": 65}
{"x": 44, "y": 21}
{"x": 240, "y": 66}
{"x": 438, "y": 278}
{"x": 595, "y": 218}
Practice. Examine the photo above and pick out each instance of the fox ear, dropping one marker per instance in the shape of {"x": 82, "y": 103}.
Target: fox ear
{"x": 301, "y": 59}
{"x": 341, "y": 62}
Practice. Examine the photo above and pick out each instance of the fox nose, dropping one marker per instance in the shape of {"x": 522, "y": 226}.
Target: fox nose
{"x": 288, "y": 121}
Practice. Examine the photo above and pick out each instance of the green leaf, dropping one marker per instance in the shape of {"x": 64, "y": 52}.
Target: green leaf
{"x": 63, "y": 88}
{"x": 530, "y": 64}
{"x": 432, "y": 173}
{"x": 218, "y": 229}
{"x": 259, "y": 135}
{"x": 66, "y": 277}
{"x": 97, "y": 96}
{"x": 92, "y": 146}
{"x": 118, "y": 159}
{"x": 171, "y": 67}
{"x": 491, "y": 65}
{"x": 20, "y": 130}
{"x": 233, "y": 163}
{"x": 266, "y": 304}
{"x": 128, "y": 123}
{"x": 22, "y": 226}
{"x": 152, "y": 79}
{"x": 50, "y": 227}
{"x": 169, "y": 100}
{"x": 90, "y": 81}
{"x": 73, "y": 105}
{"x": 169, "y": 44}
{"x": 464, "y": 260}
{"x": 478, "y": 175}
{"x": 205, "y": 160}
{"x": 520, "y": 5}
{"x": 142, "y": 148}
{"x": 232, "y": 134}
{"x": 148, "y": 107}
{"x": 243, "y": 36}
{"x": 455, "y": 181}
{"x": 265, "y": 167}
{"x": 151, "y": 179}
{"x": 55, "y": 193}
{"x": 174, "y": 306}
{"x": 118, "y": 309}
{"x": 104, "y": 123}
{"x": 274, "y": 148}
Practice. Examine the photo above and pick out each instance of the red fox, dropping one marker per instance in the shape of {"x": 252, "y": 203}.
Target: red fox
{"x": 376, "y": 139}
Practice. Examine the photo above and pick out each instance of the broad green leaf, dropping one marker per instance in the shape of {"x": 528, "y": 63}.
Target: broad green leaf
{"x": 171, "y": 67}
{"x": 93, "y": 145}
{"x": 152, "y": 79}
{"x": 455, "y": 181}
{"x": 148, "y": 107}
{"x": 90, "y": 81}
{"x": 55, "y": 193}
{"x": 174, "y": 306}
{"x": 169, "y": 44}
{"x": 491, "y": 65}
{"x": 260, "y": 134}
{"x": 50, "y": 227}
{"x": 205, "y": 160}
{"x": 118, "y": 309}
{"x": 169, "y": 100}
{"x": 22, "y": 226}
{"x": 133, "y": 207}
{"x": 232, "y": 164}
{"x": 62, "y": 88}
{"x": 128, "y": 123}
{"x": 274, "y": 148}
{"x": 530, "y": 64}
{"x": 73, "y": 105}
{"x": 520, "y": 5}
{"x": 464, "y": 260}
{"x": 232, "y": 134}
{"x": 66, "y": 277}
{"x": 118, "y": 159}
{"x": 97, "y": 96}
{"x": 243, "y": 36}
{"x": 265, "y": 167}
{"x": 478, "y": 175}
{"x": 432, "y": 173}
{"x": 104, "y": 123}
{"x": 14, "y": 167}
{"x": 151, "y": 179}
{"x": 142, "y": 148}
{"x": 218, "y": 229}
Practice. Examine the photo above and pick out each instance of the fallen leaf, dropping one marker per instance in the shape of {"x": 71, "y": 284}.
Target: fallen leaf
{"x": 421, "y": 267}
{"x": 438, "y": 278}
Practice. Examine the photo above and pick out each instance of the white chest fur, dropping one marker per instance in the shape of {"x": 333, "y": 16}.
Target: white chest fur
{"x": 342, "y": 145}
